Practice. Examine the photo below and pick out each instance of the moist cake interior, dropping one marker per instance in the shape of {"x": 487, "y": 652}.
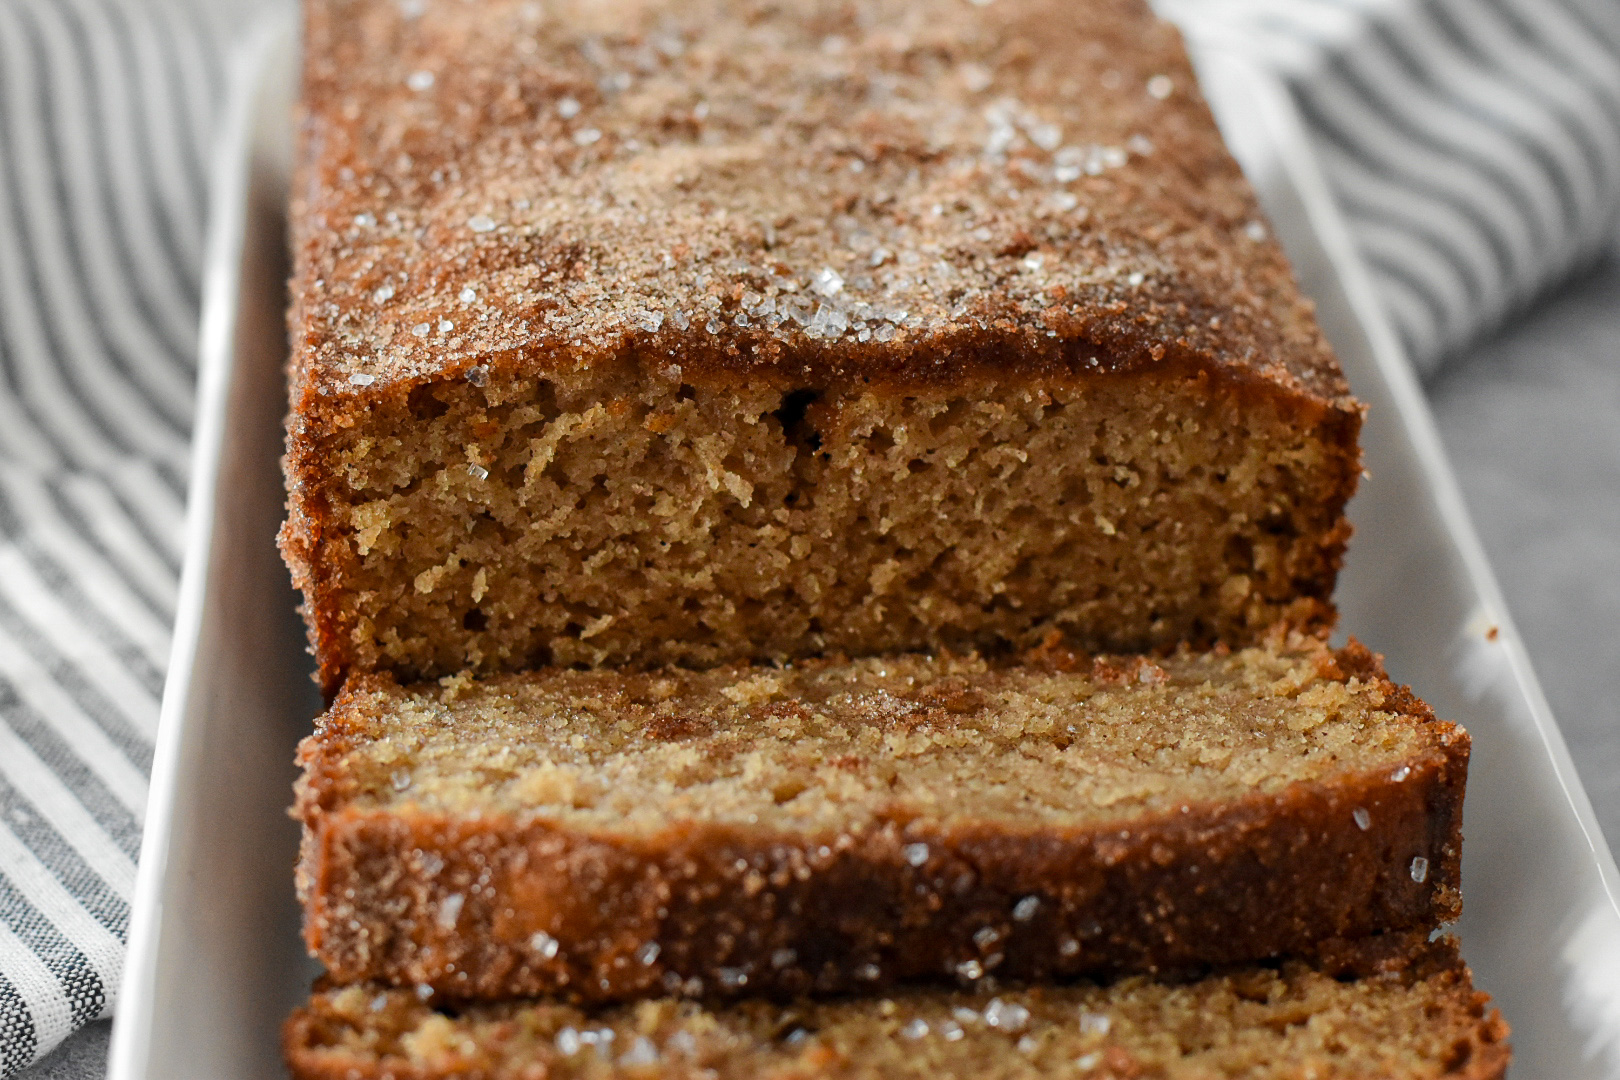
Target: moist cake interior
{"x": 829, "y": 747}
{"x": 627, "y": 519}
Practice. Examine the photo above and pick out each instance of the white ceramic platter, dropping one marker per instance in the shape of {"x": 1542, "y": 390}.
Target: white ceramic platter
{"x": 215, "y": 959}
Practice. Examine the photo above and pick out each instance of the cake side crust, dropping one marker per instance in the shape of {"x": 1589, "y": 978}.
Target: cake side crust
{"x": 1396, "y": 1008}
{"x": 489, "y": 904}
{"x": 390, "y": 897}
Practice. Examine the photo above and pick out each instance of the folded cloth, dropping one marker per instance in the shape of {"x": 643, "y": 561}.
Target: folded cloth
{"x": 107, "y": 109}
{"x": 1474, "y": 145}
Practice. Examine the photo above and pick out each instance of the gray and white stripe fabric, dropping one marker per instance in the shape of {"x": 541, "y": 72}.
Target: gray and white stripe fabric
{"x": 1475, "y": 145}
{"x": 106, "y": 116}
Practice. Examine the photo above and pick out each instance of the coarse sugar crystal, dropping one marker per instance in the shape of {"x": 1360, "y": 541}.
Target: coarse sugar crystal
{"x": 1006, "y": 1016}
{"x": 641, "y": 1052}
{"x": 828, "y": 282}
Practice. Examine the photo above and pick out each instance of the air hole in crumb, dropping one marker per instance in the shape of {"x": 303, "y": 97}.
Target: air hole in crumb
{"x": 1076, "y": 493}
{"x": 788, "y": 788}
{"x": 425, "y": 405}
{"x": 1279, "y": 525}
{"x": 796, "y": 430}
{"x": 475, "y": 620}
{"x": 1239, "y": 552}
{"x": 795, "y": 403}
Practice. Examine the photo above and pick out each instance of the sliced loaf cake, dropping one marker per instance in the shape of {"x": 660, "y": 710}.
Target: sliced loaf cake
{"x": 840, "y": 825}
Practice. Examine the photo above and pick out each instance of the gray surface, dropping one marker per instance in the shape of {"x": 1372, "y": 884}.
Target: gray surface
{"x": 1531, "y": 419}
{"x": 82, "y": 1056}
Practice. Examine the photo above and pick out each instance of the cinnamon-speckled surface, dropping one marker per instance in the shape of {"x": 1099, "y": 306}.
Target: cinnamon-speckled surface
{"x": 860, "y": 188}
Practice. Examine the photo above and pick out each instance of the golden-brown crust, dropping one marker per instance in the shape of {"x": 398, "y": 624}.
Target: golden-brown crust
{"x": 1216, "y": 887}
{"x": 747, "y": 910}
{"x": 579, "y": 167}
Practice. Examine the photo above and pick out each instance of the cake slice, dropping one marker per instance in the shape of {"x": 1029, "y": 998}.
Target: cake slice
{"x": 1417, "y": 1020}
{"x": 842, "y": 825}
{"x": 646, "y": 332}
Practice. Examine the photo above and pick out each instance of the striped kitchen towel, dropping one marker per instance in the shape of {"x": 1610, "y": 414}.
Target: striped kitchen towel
{"x": 107, "y": 109}
{"x": 1475, "y": 145}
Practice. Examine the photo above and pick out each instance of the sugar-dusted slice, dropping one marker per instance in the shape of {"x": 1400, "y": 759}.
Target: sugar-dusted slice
{"x": 841, "y": 825}
{"x": 1419, "y": 1021}
{"x": 637, "y": 332}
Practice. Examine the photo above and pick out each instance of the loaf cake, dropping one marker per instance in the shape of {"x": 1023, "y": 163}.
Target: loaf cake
{"x": 638, "y": 332}
{"x": 838, "y": 826}
{"x": 1419, "y": 1019}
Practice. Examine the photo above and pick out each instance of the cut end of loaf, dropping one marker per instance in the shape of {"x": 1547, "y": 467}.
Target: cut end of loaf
{"x": 632, "y": 517}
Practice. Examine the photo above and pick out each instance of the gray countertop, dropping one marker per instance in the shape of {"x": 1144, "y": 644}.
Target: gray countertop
{"x": 1531, "y": 418}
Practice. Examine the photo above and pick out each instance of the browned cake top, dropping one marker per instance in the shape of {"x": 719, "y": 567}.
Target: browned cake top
{"x": 860, "y": 189}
